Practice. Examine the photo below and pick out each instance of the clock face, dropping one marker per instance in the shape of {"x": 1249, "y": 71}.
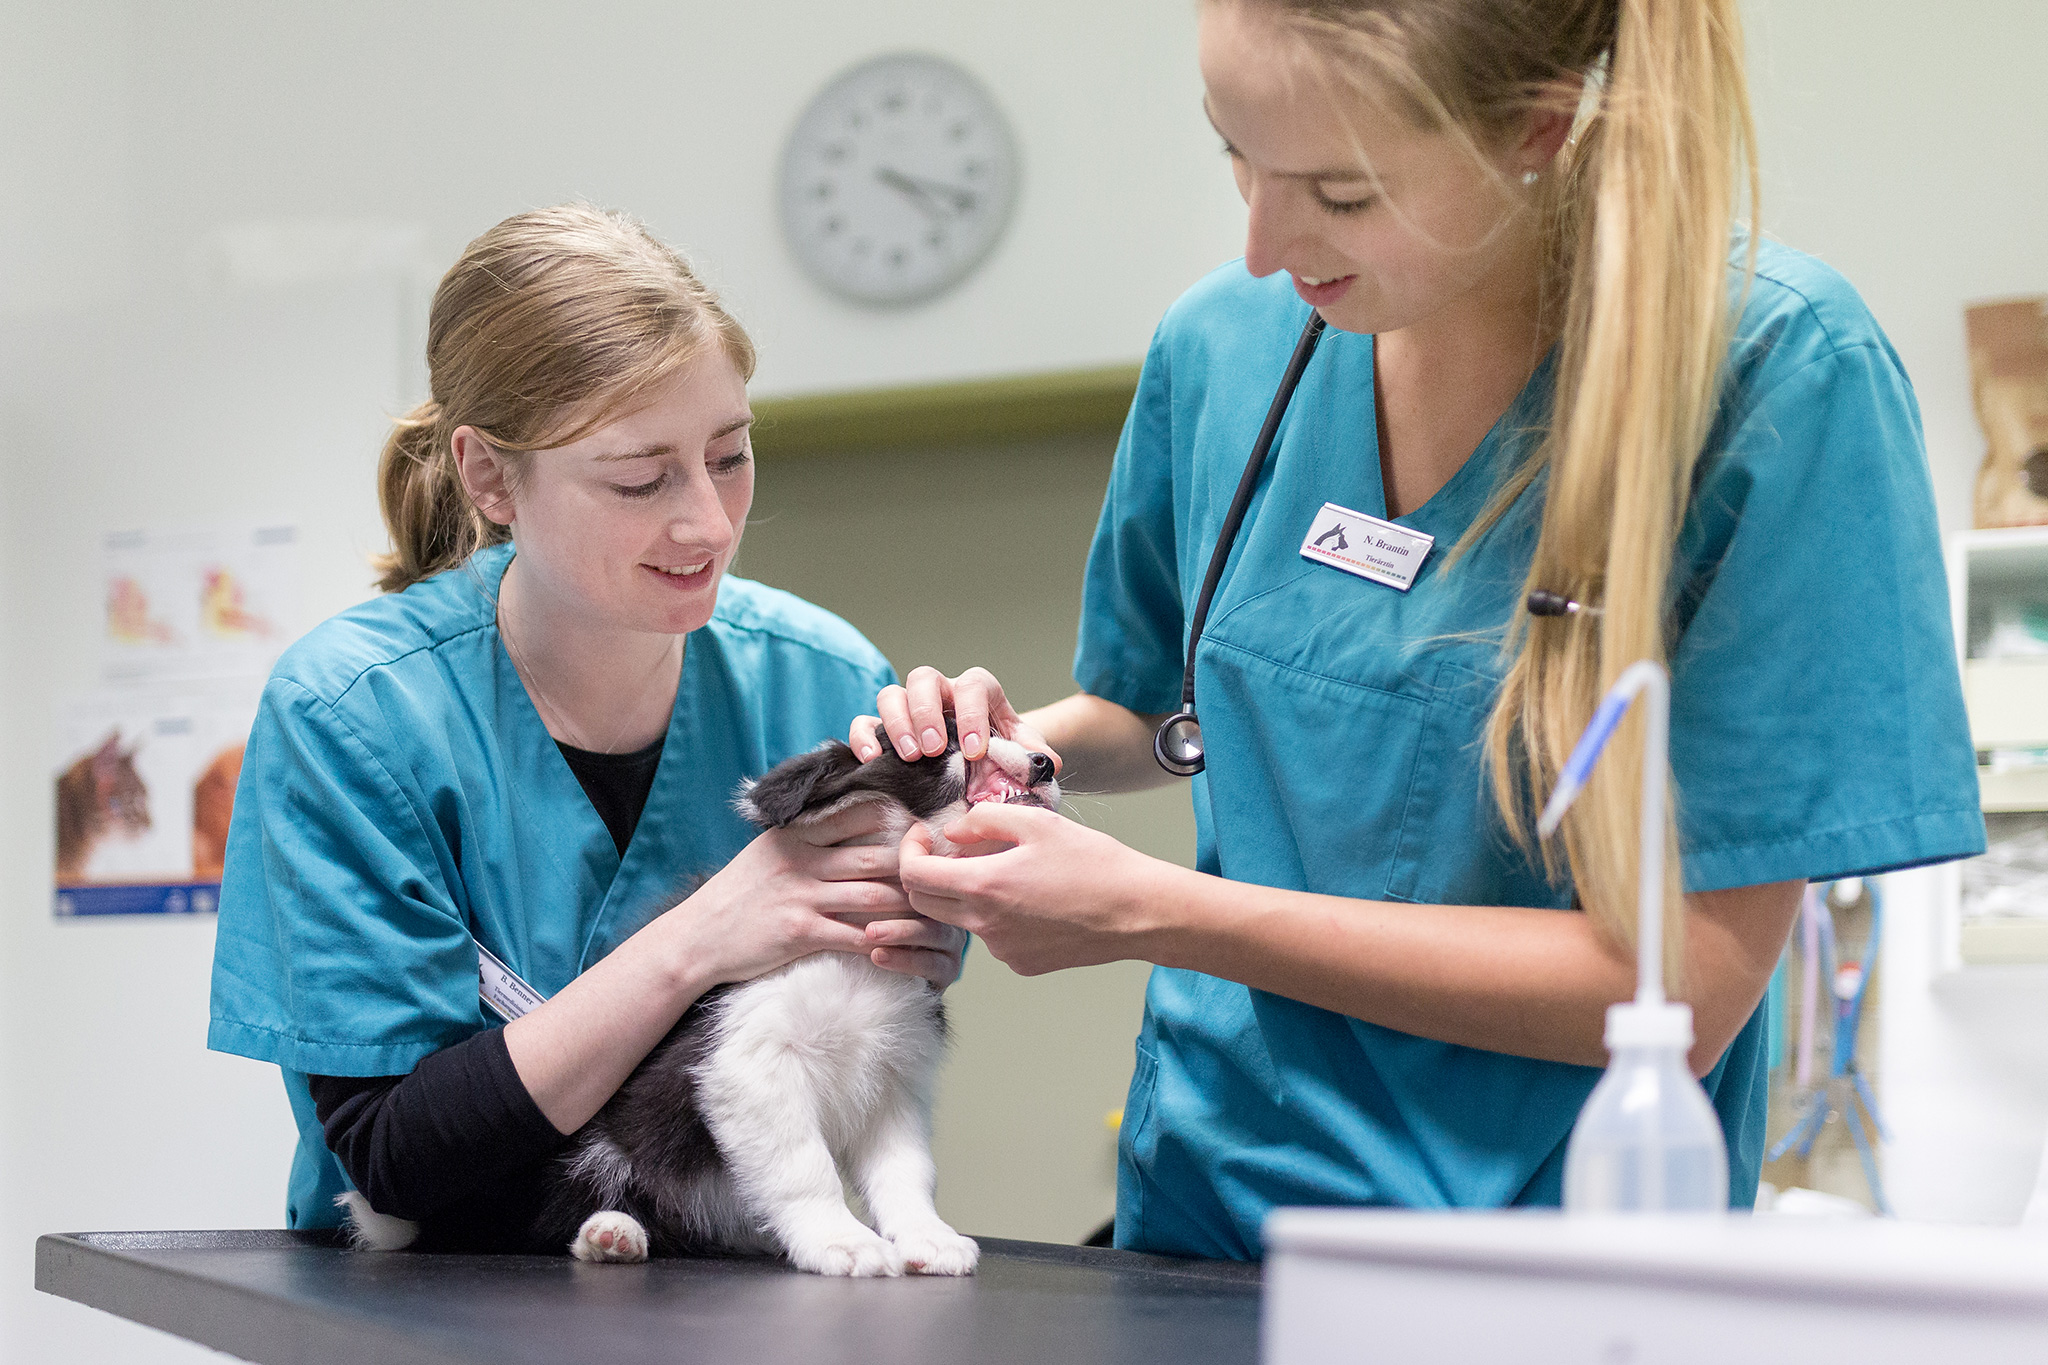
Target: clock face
{"x": 898, "y": 180}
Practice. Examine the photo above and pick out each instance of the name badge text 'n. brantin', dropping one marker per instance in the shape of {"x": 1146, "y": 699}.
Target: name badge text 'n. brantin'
{"x": 1366, "y": 546}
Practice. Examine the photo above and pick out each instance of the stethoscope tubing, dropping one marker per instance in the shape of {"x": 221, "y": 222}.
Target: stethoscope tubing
{"x": 1241, "y": 502}
{"x": 1177, "y": 744}
{"x": 1177, "y": 753}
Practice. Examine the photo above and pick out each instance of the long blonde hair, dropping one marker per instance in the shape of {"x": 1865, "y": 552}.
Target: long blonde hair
{"x": 1639, "y": 216}
{"x": 551, "y": 324}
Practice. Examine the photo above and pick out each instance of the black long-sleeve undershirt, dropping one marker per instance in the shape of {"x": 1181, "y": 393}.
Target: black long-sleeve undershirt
{"x": 461, "y": 1135}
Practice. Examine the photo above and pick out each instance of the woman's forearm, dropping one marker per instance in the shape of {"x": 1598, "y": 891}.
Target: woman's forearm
{"x": 1103, "y": 747}
{"x": 575, "y": 1051}
{"x": 1531, "y": 982}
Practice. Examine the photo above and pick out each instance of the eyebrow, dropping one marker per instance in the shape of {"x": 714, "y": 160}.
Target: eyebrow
{"x": 1341, "y": 173}
{"x": 664, "y": 450}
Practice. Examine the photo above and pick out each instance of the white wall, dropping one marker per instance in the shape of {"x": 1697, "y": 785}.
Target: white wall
{"x": 143, "y": 382}
{"x": 137, "y": 388}
{"x": 1908, "y": 146}
{"x": 148, "y": 415}
{"x": 169, "y": 122}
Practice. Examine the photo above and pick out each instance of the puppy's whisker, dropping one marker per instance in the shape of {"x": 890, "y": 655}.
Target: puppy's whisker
{"x": 1073, "y": 812}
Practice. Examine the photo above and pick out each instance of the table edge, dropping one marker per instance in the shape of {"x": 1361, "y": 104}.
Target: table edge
{"x": 246, "y": 1324}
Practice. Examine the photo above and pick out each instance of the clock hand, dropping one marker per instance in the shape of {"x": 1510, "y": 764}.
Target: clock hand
{"x": 962, "y": 199}
{"x": 928, "y": 193}
{"x": 911, "y": 190}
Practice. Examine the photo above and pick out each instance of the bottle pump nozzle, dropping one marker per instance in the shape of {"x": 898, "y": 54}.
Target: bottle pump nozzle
{"x": 1642, "y": 676}
{"x": 1648, "y": 1140}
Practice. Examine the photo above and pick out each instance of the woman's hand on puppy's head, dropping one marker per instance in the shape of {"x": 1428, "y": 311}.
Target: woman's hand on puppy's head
{"x": 913, "y": 717}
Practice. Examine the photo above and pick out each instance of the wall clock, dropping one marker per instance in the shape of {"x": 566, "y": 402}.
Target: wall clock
{"x": 898, "y": 180}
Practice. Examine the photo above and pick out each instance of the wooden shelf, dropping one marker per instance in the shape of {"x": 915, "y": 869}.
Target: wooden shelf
{"x": 980, "y": 411}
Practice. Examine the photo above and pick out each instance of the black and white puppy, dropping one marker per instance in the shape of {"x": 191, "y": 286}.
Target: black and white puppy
{"x": 741, "y": 1129}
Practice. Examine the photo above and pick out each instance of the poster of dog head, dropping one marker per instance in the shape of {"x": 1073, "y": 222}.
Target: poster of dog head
{"x": 2009, "y": 382}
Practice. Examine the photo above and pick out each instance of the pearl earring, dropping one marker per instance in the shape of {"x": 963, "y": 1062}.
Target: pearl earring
{"x": 1529, "y": 177}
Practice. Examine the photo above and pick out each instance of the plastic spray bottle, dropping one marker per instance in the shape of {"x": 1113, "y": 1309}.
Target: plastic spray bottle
{"x": 1648, "y": 1140}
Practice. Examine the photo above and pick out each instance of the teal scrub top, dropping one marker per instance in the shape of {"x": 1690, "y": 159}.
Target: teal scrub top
{"x": 1817, "y": 728}
{"x": 402, "y": 803}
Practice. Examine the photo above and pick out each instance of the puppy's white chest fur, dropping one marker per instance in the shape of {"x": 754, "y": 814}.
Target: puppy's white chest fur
{"x": 852, "y": 1030}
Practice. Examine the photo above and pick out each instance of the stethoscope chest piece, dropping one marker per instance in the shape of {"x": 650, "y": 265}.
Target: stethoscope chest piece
{"x": 1177, "y": 744}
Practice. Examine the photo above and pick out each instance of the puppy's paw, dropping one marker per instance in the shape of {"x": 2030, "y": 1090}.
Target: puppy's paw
{"x": 369, "y": 1230}
{"x": 609, "y": 1235}
{"x": 938, "y": 1251}
{"x": 858, "y": 1254}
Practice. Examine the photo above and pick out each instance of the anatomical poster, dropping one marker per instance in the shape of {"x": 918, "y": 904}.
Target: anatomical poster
{"x": 198, "y": 603}
{"x": 147, "y": 764}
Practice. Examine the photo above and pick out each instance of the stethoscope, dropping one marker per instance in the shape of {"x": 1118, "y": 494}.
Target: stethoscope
{"x": 1177, "y": 744}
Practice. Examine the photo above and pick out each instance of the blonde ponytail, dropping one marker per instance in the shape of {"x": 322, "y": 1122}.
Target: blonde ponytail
{"x": 432, "y": 522}
{"x": 550, "y": 325}
{"x": 1638, "y": 214}
{"x": 1651, "y": 199}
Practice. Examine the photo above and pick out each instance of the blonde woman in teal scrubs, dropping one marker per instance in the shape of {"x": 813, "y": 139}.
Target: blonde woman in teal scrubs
{"x": 1552, "y": 351}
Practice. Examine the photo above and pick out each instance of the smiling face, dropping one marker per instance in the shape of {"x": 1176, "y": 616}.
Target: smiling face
{"x": 1381, "y": 224}
{"x": 631, "y": 527}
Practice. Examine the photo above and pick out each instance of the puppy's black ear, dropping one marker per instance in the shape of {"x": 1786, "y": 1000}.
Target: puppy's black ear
{"x": 795, "y": 785}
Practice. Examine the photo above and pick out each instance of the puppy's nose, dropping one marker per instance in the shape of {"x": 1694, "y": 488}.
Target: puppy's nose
{"x": 1041, "y": 770}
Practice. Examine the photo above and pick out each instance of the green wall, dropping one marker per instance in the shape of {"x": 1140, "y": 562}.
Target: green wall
{"x": 974, "y": 556}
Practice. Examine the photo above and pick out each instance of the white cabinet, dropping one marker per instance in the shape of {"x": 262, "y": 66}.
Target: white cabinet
{"x": 1998, "y": 583}
{"x": 1962, "y": 1002}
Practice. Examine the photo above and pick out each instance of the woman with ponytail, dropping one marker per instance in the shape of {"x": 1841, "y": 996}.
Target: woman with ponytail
{"x": 1554, "y": 347}
{"x": 529, "y": 745}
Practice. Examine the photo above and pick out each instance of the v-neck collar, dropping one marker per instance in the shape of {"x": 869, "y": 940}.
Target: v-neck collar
{"x": 650, "y": 849}
{"x": 1448, "y": 512}
{"x": 606, "y": 877}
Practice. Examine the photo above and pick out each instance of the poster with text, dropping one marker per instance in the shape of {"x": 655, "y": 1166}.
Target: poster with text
{"x": 147, "y": 764}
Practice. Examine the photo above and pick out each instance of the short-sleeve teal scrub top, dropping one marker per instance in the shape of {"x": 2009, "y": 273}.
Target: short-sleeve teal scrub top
{"x": 1817, "y": 728}
{"x": 402, "y": 803}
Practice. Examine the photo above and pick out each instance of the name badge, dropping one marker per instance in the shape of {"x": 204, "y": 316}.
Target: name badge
{"x": 502, "y": 989}
{"x": 1366, "y": 546}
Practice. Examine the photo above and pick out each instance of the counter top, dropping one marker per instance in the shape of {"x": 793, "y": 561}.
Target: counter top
{"x": 1542, "y": 1288}
{"x": 1882, "y": 1260}
{"x": 293, "y": 1298}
